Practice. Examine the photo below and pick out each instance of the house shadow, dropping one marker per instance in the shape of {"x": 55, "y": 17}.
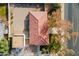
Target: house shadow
{"x": 26, "y": 26}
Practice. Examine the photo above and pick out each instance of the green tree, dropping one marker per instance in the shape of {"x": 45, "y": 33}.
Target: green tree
{"x": 53, "y": 7}
{"x": 4, "y": 48}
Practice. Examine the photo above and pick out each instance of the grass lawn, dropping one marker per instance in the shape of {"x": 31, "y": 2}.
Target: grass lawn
{"x": 2, "y": 11}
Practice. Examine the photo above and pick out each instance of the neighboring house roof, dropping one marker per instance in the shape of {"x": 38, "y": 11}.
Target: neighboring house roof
{"x": 38, "y": 31}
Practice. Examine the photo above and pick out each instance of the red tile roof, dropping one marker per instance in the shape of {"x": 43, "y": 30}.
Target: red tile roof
{"x": 38, "y": 28}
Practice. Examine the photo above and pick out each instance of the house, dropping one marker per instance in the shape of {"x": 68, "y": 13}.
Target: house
{"x": 29, "y": 26}
{"x": 19, "y": 29}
